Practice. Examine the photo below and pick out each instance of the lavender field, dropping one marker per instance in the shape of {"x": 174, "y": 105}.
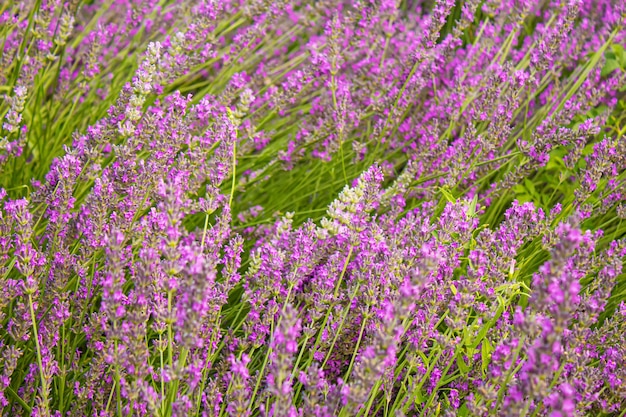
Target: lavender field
{"x": 312, "y": 208}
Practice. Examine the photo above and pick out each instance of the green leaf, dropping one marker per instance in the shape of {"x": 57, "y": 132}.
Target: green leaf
{"x": 423, "y": 357}
{"x": 485, "y": 354}
{"x": 17, "y": 398}
{"x": 453, "y": 289}
{"x": 463, "y": 411}
{"x": 556, "y": 159}
{"x": 610, "y": 66}
{"x": 419, "y": 397}
{"x": 462, "y": 365}
{"x": 447, "y": 194}
{"x": 483, "y": 331}
{"x": 530, "y": 186}
{"x": 471, "y": 209}
{"x": 591, "y": 64}
{"x": 620, "y": 54}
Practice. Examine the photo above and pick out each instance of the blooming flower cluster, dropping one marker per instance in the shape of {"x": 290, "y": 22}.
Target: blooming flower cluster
{"x": 312, "y": 208}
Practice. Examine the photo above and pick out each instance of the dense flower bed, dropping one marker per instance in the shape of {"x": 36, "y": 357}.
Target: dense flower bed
{"x": 312, "y": 208}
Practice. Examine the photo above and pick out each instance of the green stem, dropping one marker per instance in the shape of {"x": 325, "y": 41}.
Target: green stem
{"x": 234, "y": 175}
{"x": 170, "y": 349}
{"x": 113, "y": 389}
{"x": 260, "y": 375}
{"x": 343, "y": 271}
{"x": 509, "y": 374}
{"x": 118, "y": 378}
{"x": 356, "y": 349}
{"x": 431, "y": 398}
{"x": 170, "y": 336}
{"x": 295, "y": 366}
{"x": 373, "y": 394}
{"x": 62, "y": 369}
{"x": 173, "y": 391}
{"x": 162, "y": 373}
{"x": 44, "y": 385}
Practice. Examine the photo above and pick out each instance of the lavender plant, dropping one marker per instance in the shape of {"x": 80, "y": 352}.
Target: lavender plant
{"x": 312, "y": 208}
